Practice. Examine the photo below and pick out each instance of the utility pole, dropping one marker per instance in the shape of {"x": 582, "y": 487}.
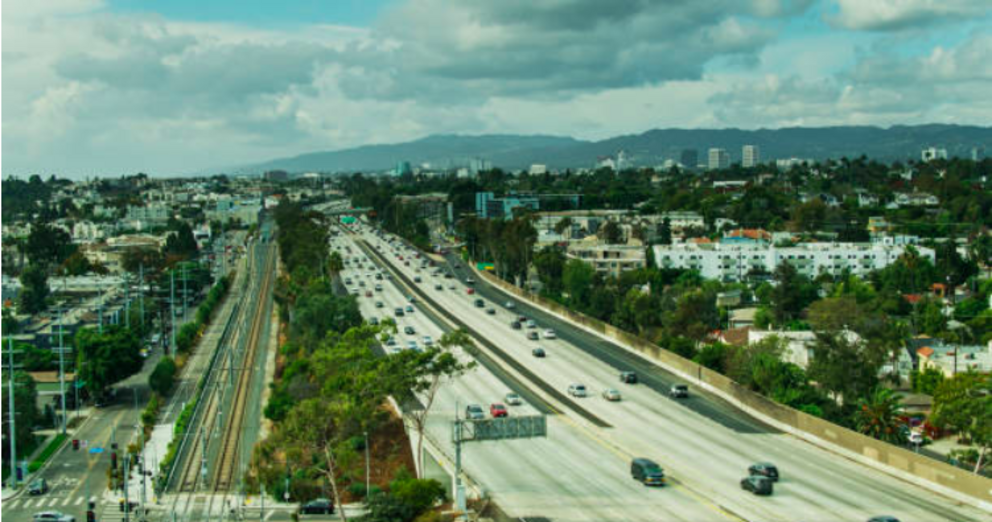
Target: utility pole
{"x": 127, "y": 301}
{"x": 62, "y": 369}
{"x": 10, "y": 410}
{"x": 141, "y": 290}
{"x": 185, "y": 296}
{"x": 368, "y": 480}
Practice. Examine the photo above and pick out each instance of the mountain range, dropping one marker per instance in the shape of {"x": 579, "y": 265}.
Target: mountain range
{"x": 900, "y": 142}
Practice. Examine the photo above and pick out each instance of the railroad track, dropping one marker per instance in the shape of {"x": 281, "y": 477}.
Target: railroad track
{"x": 226, "y": 462}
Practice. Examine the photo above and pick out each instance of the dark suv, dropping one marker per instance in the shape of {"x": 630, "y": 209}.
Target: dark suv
{"x": 757, "y": 484}
{"x": 320, "y": 506}
{"x": 628, "y": 377}
{"x": 647, "y": 472}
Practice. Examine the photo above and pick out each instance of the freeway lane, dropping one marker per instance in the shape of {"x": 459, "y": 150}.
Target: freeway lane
{"x": 706, "y": 452}
{"x": 572, "y": 475}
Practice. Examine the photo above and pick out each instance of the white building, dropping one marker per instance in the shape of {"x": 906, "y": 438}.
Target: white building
{"x": 933, "y": 153}
{"x": 750, "y": 156}
{"x": 737, "y": 262}
{"x": 611, "y": 259}
{"x": 788, "y": 163}
{"x": 798, "y": 345}
{"x": 718, "y": 159}
{"x": 538, "y": 169}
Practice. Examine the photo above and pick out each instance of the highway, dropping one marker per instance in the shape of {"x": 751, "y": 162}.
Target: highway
{"x": 704, "y": 444}
{"x": 573, "y": 474}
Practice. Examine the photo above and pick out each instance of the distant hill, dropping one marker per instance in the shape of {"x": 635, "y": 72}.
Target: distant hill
{"x": 649, "y": 148}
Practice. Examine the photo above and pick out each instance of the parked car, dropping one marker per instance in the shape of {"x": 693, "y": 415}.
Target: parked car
{"x": 474, "y": 412}
{"x": 53, "y": 516}
{"x": 497, "y": 410}
{"x": 611, "y": 394}
{"x": 38, "y": 487}
{"x": 390, "y": 341}
{"x": 883, "y": 518}
{"x": 577, "y": 390}
{"x": 368, "y": 293}
{"x": 513, "y": 399}
{"x": 678, "y": 391}
{"x": 764, "y": 469}
{"x": 628, "y": 377}
{"x": 320, "y": 506}
{"x": 412, "y": 345}
{"x": 538, "y": 352}
{"x": 757, "y": 484}
{"x": 550, "y": 334}
{"x": 647, "y": 472}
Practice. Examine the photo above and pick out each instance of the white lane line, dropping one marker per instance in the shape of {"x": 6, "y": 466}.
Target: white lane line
{"x": 66, "y": 501}
{"x": 79, "y": 500}
{"x": 269, "y": 514}
{"x": 28, "y": 502}
{"x": 12, "y": 504}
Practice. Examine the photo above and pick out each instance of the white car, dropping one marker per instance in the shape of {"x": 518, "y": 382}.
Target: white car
{"x": 427, "y": 341}
{"x": 550, "y": 334}
{"x": 53, "y": 516}
{"x": 513, "y": 399}
{"x": 577, "y": 390}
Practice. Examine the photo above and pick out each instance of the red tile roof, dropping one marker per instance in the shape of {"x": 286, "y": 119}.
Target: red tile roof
{"x": 926, "y": 351}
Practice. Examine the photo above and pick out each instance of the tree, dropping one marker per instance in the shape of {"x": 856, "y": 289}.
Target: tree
{"x": 427, "y": 371}
{"x": 845, "y": 366}
{"x": 319, "y": 310}
{"x": 107, "y": 358}
{"x": 163, "y": 376}
{"x": 550, "y": 266}
{"x": 665, "y": 232}
{"x": 791, "y": 295}
{"x": 695, "y": 316}
{"x": 926, "y": 381}
{"x": 562, "y": 225}
{"x": 610, "y": 232}
{"x": 34, "y": 289}
{"x": 834, "y": 314}
{"x": 181, "y": 243}
{"x": 809, "y": 216}
{"x": 335, "y": 264}
{"x": 963, "y": 405}
{"x": 78, "y": 264}
{"x": 577, "y": 278}
{"x": 48, "y": 245}
{"x": 25, "y": 408}
{"x": 877, "y": 415}
{"x": 135, "y": 259}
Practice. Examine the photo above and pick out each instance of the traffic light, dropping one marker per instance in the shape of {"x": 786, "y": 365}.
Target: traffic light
{"x": 113, "y": 460}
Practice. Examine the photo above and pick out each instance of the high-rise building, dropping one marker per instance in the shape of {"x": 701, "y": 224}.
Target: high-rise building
{"x": 718, "y": 159}
{"x": 750, "y": 156}
{"x": 933, "y": 153}
{"x": 477, "y": 165}
{"x": 690, "y": 158}
{"x": 403, "y": 168}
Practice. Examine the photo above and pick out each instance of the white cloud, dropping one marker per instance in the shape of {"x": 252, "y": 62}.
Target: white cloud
{"x": 901, "y": 14}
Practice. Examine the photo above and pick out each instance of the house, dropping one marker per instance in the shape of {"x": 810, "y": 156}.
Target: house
{"x": 950, "y": 359}
{"x": 915, "y": 199}
{"x": 742, "y": 317}
{"x": 798, "y": 344}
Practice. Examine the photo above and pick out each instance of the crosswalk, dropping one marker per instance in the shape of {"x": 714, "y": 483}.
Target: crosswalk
{"x": 47, "y": 502}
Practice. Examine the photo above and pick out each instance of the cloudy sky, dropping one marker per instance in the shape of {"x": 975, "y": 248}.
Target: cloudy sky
{"x": 106, "y": 87}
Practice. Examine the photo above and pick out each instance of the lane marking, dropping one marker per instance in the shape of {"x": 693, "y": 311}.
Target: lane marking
{"x": 79, "y": 500}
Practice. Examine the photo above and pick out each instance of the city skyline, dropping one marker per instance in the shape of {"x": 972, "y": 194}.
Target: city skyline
{"x": 108, "y": 88}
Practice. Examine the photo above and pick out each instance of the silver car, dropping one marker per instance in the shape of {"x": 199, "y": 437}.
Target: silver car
{"x": 53, "y": 516}
{"x": 513, "y": 399}
{"x": 577, "y": 390}
{"x": 474, "y": 412}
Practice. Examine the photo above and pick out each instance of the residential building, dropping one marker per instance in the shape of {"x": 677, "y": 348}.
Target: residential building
{"x": 788, "y": 163}
{"x": 916, "y": 199}
{"x": 609, "y": 259}
{"x": 750, "y": 156}
{"x": 933, "y": 153}
{"x": 741, "y": 261}
{"x": 718, "y": 159}
{"x": 689, "y": 158}
{"x": 951, "y": 359}
{"x": 798, "y": 344}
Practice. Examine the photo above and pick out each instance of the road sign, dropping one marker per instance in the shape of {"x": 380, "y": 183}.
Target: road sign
{"x": 96, "y": 450}
{"x": 502, "y": 428}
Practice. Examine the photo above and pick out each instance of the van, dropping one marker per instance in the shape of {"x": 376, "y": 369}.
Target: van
{"x": 647, "y": 472}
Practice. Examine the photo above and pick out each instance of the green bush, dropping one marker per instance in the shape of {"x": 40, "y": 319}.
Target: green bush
{"x": 49, "y": 450}
{"x": 163, "y": 376}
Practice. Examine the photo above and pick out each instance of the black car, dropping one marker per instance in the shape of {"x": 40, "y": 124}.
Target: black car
{"x": 883, "y": 518}
{"x": 628, "y": 377}
{"x": 515, "y": 325}
{"x": 538, "y": 352}
{"x": 320, "y": 506}
{"x": 479, "y": 303}
{"x": 763, "y": 469}
{"x": 409, "y": 330}
{"x": 757, "y": 485}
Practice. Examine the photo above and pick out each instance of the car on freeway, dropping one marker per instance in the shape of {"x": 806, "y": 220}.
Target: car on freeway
{"x": 417, "y": 279}
{"x": 509, "y": 305}
{"x": 577, "y": 390}
{"x": 538, "y": 352}
{"x": 883, "y": 518}
{"x": 469, "y": 281}
{"x": 550, "y": 334}
{"x": 647, "y": 472}
{"x": 409, "y": 309}
{"x": 479, "y": 303}
{"x": 474, "y": 412}
{"x": 368, "y": 293}
{"x": 427, "y": 340}
{"x": 515, "y": 325}
{"x": 763, "y": 469}
{"x": 378, "y": 304}
{"x": 409, "y": 330}
{"x": 412, "y": 299}
{"x": 491, "y": 311}
{"x": 678, "y": 391}
{"x": 470, "y": 291}
{"x": 412, "y": 345}
{"x": 374, "y": 321}
{"x": 38, "y": 487}
{"x": 498, "y": 410}
{"x": 611, "y": 394}
{"x": 532, "y": 336}
{"x": 628, "y": 377}
{"x": 513, "y": 399}
{"x": 531, "y": 324}
{"x": 347, "y": 281}
{"x": 451, "y": 286}
{"x": 757, "y": 484}
{"x": 320, "y": 506}
{"x": 53, "y": 516}
{"x": 398, "y": 312}
{"x": 378, "y": 288}
{"x": 439, "y": 286}
{"x": 390, "y": 341}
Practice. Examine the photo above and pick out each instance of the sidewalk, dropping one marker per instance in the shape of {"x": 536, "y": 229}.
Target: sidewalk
{"x": 49, "y": 434}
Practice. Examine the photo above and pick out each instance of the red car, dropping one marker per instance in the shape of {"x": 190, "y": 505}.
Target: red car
{"x": 470, "y": 291}
{"x": 368, "y": 293}
{"x": 497, "y": 410}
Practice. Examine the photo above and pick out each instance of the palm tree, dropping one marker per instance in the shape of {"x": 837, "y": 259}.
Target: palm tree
{"x": 878, "y": 415}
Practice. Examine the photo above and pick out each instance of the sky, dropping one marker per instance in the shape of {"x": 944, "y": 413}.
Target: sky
{"x": 167, "y": 87}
